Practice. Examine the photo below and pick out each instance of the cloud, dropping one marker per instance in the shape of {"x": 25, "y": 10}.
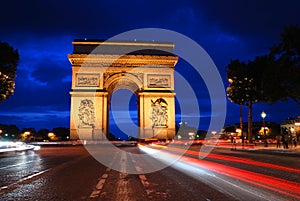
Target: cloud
{"x": 42, "y": 31}
{"x": 51, "y": 72}
{"x": 43, "y": 83}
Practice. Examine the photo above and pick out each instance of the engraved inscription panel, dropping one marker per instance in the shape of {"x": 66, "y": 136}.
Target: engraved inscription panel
{"x": 87, "y": 80}
{"x": 159, "y": 81}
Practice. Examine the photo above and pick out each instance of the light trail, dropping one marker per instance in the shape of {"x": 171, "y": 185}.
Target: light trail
{"x": 234, "y": 159}
{"x": 272, "y": 183}
{"x": 206, "y": 170}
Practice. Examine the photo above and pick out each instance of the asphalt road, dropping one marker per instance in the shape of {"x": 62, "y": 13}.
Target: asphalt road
{"x": 72, "y": 173}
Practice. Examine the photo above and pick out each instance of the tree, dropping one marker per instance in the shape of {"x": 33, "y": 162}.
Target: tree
{"x": 268, "y": 78}
{"x": 28, "y": 134}
{"x": 62, "y": 133}
{"x": 43, "y": 133}
{"x": 12, "y": 131}
{"x": 235, "y": 72}
{"x": 285, "y": 59}
{"x": 9, "y": 59}
{"x": 243, "y": 88}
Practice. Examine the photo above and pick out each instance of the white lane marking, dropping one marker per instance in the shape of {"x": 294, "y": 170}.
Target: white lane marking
{"x": 144, "y": 180}
{"x": 99, "y": 186}
{"x": 142, "y": 177}
{"x": 122, "y": 188}
{"x": 123, "y": 191}
{"x": 96, "y": 192}
{"x": 24, "y": 179}
{"x": 138, "y": 169}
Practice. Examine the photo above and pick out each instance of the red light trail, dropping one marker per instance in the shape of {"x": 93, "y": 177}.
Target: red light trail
{"x": 274, "y": 184}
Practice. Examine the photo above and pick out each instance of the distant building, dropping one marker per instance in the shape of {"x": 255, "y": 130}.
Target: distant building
{"x": 291, "y": 127}
{"x": 272, "y": 129}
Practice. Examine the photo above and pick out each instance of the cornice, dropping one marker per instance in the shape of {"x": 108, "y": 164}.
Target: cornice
{"x": 105, "y": 60}
{"x": 124, "y": 43}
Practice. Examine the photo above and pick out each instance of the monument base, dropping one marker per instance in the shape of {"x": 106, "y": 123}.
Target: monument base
{"x": 161, "y": 133}
{"x": 87, "y": 133}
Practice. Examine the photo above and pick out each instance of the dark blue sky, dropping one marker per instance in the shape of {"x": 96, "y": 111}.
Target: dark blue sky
{"x": 43, "y": 31}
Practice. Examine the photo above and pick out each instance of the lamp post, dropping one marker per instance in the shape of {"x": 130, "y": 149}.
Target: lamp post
{"x": 263, "y": 115}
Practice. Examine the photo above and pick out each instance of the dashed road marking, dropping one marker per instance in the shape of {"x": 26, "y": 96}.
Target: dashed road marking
{"x": 100, "y": 184}
{"x": 144, "y": 180}
{"x": 123, "y": 189}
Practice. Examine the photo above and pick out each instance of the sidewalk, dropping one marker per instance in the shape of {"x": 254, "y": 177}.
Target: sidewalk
{"x": 270, "y": 149}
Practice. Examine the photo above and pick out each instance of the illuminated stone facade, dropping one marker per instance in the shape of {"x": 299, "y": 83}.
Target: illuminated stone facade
{"x": 100, "y": 68}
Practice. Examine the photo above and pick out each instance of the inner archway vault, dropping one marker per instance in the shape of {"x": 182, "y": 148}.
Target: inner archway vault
{"x": 123, "y": 81}
{"x": 101, "y": 67}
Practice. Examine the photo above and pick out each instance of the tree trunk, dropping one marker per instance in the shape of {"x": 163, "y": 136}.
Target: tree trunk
{"x": 241, "y": 121}
{"x": 250, "y": 122}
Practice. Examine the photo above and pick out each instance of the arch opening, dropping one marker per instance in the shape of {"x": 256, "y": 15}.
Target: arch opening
{"x": 122, "y": 81}
{"x": 123, "y": 115}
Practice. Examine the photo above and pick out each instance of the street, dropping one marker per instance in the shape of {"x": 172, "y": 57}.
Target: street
{"x": 72, "y": 173}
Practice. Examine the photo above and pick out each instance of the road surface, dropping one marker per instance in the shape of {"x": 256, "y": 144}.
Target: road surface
{"x": 72, "y": 173}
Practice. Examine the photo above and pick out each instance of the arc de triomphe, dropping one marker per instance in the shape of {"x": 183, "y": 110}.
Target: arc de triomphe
{"x": 99, "y": 68}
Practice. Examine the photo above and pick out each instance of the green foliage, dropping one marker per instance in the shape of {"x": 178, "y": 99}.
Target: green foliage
{"x": 9, "y": 59}
{"x": 111, "y": 137}
{"x": 12, "y": 131}
{"x": 43, "y": 133}
{"x": 61, "y": 132}
{"x": 268, "y": 78}
{"x": 286, "y": 66}
{"x": 32, "y": 131}
{"x": 243, "y": 83}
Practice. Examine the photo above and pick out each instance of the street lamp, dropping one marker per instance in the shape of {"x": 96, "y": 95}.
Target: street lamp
{"x": 263, "y": 115}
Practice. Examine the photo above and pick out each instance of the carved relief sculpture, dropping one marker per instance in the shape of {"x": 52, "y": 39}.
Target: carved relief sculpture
{"x": 86, "y": 113}
{"x": 159, "y": 113}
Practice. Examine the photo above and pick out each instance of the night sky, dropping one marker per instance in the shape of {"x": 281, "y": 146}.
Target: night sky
{"x": 43, "y": 32}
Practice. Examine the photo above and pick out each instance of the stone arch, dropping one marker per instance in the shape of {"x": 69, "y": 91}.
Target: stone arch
{"x": 147, "y": 71}
{"x": 123, "y": 80}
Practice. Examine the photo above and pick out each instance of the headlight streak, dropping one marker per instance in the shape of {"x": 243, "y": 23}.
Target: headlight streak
{"x": 8, "y": 146}
{"x": 204, "y": 171}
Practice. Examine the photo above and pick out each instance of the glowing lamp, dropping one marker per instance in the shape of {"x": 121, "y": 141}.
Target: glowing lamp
{"x": 263, "y": 114}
